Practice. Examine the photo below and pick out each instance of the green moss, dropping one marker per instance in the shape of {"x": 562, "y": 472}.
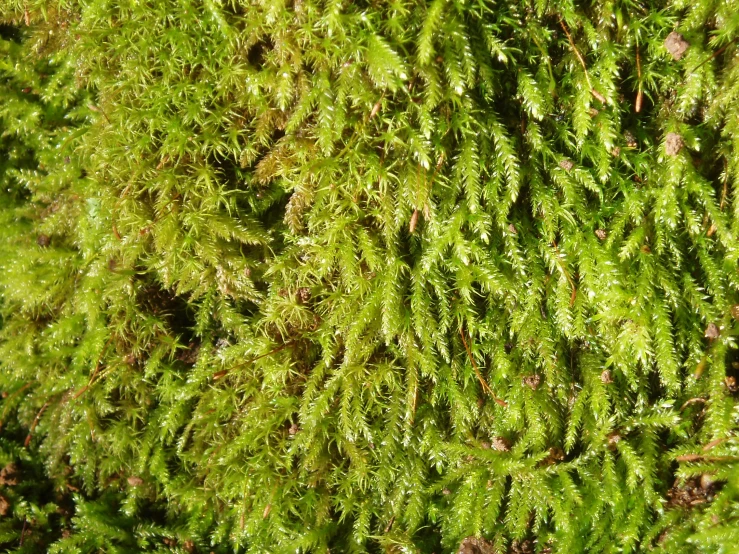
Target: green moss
{"x": 361, "y": 276}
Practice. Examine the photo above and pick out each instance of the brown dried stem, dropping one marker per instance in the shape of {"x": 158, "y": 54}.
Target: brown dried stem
{"x": 484, "y": 384}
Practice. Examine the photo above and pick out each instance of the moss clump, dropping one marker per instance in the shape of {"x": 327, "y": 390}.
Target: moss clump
{"x": 360, "y": 276}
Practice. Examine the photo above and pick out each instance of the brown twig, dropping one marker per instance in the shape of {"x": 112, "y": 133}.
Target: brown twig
{"x": 594, "y": 92}
{"x": 9, "y": 398}
{"x": 115, "y": 210}
{"x": 725, "y": 191}
{"x": 415, "y": 400}
{"x": 484, "y": 384}
{"x": 390, "y": 524}
{"x": 224, "y": 372}
{"x": 95, "y": 371}
{"x": 639, "y": 94}
{"x": 98, "y": 109}
{"x": 566, "y": 273}
{"x": 414, "y": 222}
{"x": 713, "y": 443}
{"x": 35, "y": 422}
{"x": 691, "y": 401}
{"x": 712, "y": 56}
{"x": 698, "y": 457}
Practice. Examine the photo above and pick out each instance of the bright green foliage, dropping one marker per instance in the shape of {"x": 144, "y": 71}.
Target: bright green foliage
{"x": 375, "y": 276}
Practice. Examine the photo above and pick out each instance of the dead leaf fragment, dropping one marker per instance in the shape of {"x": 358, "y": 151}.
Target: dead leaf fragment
{"x": 567, "y": 165}
{"x": 8, "y": 475}
{"x": 532, "y": 381}
{"x": 135, "y": 481}
{"x": 475, "y": 545}
{"x": 676, "y": 45}
{"x": 673, "y": 144}
{"x": 501, "y": 444}
{"x": 712, "y": 331}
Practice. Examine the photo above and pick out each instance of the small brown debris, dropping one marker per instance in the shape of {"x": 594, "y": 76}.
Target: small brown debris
{"x": 522, "y": 547}
{"x": 512, "y": 229}
{"x": 676, "y": 45}
{"x": 4, "y": 505}
{"x": 130, "y": 359}
{"x": 731, "y": 383}
{"x": 556, "y": 454}
{"x": 135, "y": 481}
{"x": 8, "y": 475}
{"x": 446, "y": 492}
{"x": 693, "y": 492}
{"x": 190, "y": 354}
{"x": 43, "y": 240}
{"x": 474, "y": 545}
{"x": 189, "y": 546}
{"x": 566, "y": 164}
{"x": 485, "y": 445}
{"x": 606, "y": 377}
{"x": 616, "y": 152}
{"x": 613, "y": 440}
{"x": 712, "y": 331}
{"x": 673, "y": 144}
{"x": 293, "y": 429}
{"x": 304, "y": 294}
{"x": 501, "y": 444}
{"x": 532, "y": 381}
{"x": 601, "y": 234}
{"x": 735, "y": 311}
{"x": 630, "y": 139}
